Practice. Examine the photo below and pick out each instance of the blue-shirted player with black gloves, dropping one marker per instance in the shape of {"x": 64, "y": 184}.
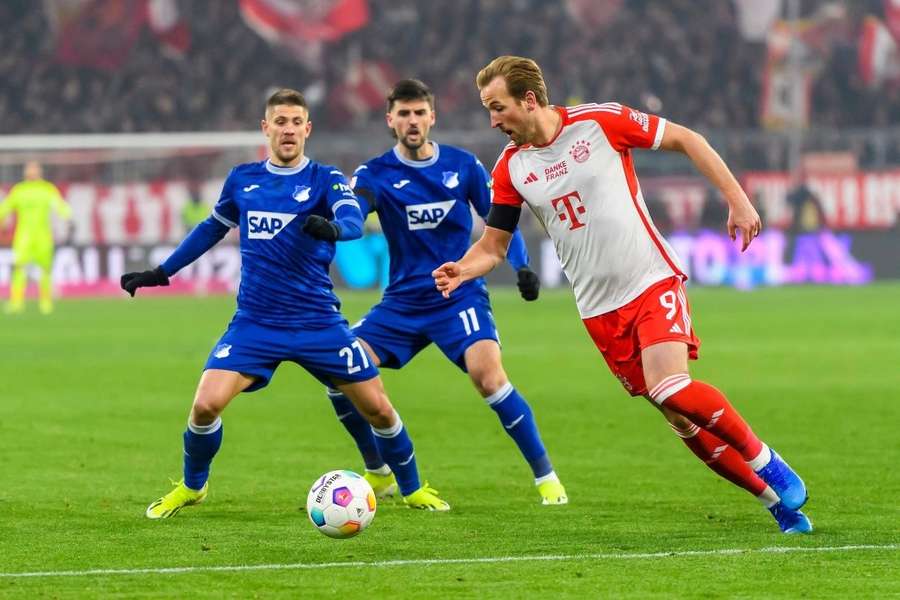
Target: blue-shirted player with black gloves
{"x": 290, "y": 211}
{"x": 423, "y": 194}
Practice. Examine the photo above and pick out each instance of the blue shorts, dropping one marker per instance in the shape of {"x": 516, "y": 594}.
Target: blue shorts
{"x": 330, "y": 354}
{"x": 397, "y": 333}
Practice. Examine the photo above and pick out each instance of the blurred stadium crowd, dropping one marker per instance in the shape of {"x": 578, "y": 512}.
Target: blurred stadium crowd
{"x": 82, "y": 66}
{"x": 801, "y": 98}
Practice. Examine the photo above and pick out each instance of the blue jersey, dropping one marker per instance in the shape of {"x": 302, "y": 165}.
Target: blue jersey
{"x": 425, "y": 209}
{"x": 284, "y": 272}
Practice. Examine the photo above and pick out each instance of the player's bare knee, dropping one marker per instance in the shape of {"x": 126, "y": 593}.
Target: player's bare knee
{"x": 488, "y": 381}
{"x": 375, "y": 407}
{"x": 381, "y": 415}
{"x": 205, "y": 410}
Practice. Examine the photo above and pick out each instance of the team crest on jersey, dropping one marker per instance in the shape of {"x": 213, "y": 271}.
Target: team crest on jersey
{"x": 266, "y": 225}
{"x": 301, "y": 193}
{"x": 222, "y": 351}
{"x": 427, "y": 216}
{"x": 580, "y": 151}
{"x": 451, "y": 179}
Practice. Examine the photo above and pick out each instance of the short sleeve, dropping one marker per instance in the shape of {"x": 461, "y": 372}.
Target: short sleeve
{"x": 226, "y": 210}
{"x": 627, "y": 128}
{"x": 503, "y": 190}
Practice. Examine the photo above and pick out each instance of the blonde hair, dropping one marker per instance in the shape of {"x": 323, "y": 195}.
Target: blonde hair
{"x": 521, "y": 74}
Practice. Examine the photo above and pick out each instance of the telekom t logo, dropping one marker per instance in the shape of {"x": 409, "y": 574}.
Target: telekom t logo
{"x": 568, "y": 208}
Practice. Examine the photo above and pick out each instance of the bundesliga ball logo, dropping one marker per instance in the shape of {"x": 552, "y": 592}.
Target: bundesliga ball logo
{"x": 580, "y": 151}
{"x": 341, "y": 504}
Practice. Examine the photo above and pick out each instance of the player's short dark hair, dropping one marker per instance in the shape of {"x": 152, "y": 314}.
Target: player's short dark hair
{"x": 286, "y": 96}
{"x": 522, "y": 75}
{"x": 407, "y": 90}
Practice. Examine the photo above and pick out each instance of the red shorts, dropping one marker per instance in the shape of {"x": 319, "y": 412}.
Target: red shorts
{"x": 660, "y": 314}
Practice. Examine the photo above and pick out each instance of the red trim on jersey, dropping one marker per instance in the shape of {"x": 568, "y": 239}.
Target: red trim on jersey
{"x": 564, "y": 116}
{"x": 504, "y": 190}
{"x": 631, "y": 176}
{"x": 623, "y": 126}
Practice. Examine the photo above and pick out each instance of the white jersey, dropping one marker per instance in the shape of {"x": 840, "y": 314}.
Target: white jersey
{"x": 583, "y": 188}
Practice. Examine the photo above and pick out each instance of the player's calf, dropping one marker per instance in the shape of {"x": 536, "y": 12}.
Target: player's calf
{"x": 359, "y": 429}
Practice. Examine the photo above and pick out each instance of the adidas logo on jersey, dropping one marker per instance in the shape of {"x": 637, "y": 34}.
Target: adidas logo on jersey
{"x": 266, "y": 225}
{"x": 531, "y": 178}
{"x": 427, "y": 216}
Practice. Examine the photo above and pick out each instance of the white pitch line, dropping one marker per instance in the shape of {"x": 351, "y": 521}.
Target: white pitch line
{"x": 457, "y": 561}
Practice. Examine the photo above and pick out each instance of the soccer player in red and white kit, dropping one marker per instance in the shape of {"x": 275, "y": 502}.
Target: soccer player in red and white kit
{"x": 573, "y": 167}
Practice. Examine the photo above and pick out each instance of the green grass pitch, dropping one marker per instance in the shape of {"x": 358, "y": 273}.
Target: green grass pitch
{"x": 95, "y": 397}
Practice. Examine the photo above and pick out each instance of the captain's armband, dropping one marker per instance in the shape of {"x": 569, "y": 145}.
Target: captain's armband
{"x": 503, "y": 216}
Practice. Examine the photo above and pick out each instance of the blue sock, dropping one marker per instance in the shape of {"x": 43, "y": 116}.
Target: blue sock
{"x": 201, "y": 442}
{"x": 518, "y": 421}
{"x": 397, "y": 450}
{"x": 358, "y": 428}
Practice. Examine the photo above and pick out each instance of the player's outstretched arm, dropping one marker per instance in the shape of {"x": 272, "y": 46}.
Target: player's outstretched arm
{"x": 482, "y": 257}
{"x": 741, "y": 214}
{"x": 203, "y": 237}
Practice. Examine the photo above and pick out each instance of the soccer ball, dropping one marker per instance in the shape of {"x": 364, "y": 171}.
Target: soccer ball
{"x": 341, "y": 504}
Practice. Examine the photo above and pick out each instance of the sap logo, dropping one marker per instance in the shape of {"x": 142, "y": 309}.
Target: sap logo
{"x": 428, "y": 216}
{"x": 266, "y": 225}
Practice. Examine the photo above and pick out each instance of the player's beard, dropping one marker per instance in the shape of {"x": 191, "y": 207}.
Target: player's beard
{"x": 286, "y": 156}
{"x": 413, "y": 146}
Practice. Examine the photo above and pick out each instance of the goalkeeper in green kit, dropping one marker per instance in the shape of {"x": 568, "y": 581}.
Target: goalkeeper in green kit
{"x": 32, "y": 200}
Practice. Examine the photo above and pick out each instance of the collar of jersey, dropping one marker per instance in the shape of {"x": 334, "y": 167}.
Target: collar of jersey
{"x": 276, "y": 170}
{"x": 420, "y": 163}
{"x": 564, "y": 115}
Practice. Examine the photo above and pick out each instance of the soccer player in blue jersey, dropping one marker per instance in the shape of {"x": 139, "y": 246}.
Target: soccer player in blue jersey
{"x": 423, "y": 194}
{"x": 290, "y": 211}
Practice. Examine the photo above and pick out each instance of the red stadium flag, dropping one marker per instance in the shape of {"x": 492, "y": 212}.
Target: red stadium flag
{"x": 892, "y": 18}
{"x": 366, "y": 84}
{"x": 879, "y": 55}
{"x": 293, "y": 23}
{"x": 95, "y": 33}
{"x": 170, "y": 29}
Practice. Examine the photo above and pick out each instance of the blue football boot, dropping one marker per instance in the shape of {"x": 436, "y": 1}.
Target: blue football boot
{"x": 790, "y": 521}
{"x": 784, "y": 481}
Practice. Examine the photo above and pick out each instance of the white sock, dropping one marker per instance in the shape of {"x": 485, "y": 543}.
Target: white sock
{"x": 768, "y": 497}
{"x": 551, "y": 476}
{"x": 382, "y": 470}
{"x": 761, "y": 460}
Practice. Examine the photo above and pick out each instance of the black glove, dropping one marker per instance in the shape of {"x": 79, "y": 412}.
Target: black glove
{"x": 130, "y": 282}
{"x": 321, "y": 228}
{"x": 529, "y": 284}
